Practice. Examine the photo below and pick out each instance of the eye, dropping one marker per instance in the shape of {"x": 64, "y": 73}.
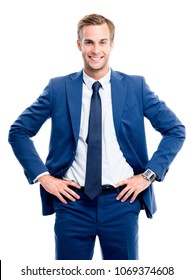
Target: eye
{"x": 103, "y": 42}
{"x": 88, "y": 43}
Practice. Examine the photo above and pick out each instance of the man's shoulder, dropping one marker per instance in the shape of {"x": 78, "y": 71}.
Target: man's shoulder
{"x": 67, "y": 77}
{"x": 122, "y": 75}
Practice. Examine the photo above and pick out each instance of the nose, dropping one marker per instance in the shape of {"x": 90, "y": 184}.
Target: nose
{"x": 95, "y": 48}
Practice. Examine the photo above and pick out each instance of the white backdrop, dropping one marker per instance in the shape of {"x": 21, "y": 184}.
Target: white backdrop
{"x": 38, "y": 41}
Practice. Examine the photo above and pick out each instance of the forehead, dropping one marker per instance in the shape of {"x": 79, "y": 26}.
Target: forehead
{"x": 95, "y": 32}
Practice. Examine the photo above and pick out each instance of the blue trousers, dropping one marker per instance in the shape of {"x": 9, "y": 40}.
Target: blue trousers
{"x": 115, "y": 223}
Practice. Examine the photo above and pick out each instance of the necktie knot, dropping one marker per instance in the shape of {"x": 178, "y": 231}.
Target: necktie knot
{"x": 96, "y": 86}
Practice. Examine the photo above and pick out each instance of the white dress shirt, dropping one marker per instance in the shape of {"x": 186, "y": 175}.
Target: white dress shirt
{"x": 114, "y": 166}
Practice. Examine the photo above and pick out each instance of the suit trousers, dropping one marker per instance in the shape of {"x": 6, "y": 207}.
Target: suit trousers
{"x": 78, "y": 223}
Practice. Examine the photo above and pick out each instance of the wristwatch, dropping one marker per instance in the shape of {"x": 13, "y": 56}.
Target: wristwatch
{"x": 149, "y": 175}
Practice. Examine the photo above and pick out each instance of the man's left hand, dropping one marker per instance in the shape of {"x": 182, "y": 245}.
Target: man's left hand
{"x": 134, "y": 186}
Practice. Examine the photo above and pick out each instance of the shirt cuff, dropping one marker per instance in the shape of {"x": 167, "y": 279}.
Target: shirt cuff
{"x": 44, "y": 173}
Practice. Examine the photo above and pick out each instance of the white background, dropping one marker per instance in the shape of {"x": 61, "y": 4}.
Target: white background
{"x": 38, "y": 41}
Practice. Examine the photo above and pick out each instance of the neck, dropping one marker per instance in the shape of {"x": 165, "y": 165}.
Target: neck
{"x": 96, "y": 75}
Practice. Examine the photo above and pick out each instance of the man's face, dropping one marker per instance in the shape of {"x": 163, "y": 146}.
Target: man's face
{"x": 95, "y": 45}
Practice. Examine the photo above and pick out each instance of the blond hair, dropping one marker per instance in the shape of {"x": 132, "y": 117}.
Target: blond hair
{"x": 95, "y": 19}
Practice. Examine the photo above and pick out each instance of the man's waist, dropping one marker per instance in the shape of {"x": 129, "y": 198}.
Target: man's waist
{"x": 107, "y": 188}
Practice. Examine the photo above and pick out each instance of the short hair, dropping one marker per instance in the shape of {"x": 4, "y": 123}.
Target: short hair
{"x": 95, "y": 19}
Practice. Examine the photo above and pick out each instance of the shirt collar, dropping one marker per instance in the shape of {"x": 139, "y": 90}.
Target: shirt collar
{"x": 89, "y": 81}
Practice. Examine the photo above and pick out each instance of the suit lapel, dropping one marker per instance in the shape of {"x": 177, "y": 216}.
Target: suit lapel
{"x": 118, "y": 92}
{"x": 74, "y": 96}
{"x": 119, "y": 89}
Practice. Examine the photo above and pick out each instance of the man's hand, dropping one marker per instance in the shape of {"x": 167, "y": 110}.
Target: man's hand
{"x": 134, "y": 186}
{"x": 59, "y": 188}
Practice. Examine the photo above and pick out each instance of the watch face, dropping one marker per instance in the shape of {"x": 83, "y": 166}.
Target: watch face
{"x": 148, "y": 172}
{"x": 150, "y": 175}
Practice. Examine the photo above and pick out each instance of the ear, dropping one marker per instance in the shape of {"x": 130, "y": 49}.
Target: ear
{"x": 79, "y": 45}
{"x": 112, "y": 45}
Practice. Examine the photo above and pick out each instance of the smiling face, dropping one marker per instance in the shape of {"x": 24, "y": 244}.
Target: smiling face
{"x": 95, "y": 45}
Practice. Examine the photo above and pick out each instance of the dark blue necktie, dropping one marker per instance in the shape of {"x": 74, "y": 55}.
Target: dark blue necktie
{"x": 94, "y": 141}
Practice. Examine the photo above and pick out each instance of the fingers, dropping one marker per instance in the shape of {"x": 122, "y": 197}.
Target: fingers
{"x": 60, "y": 197}
{"x": 72, "y": 183}
{"x": 134, "y": 186}
{"x": 70, "y": 194}
{"x": 67, "y": 192}
{"x": 121, "y": 183}
{"x": 60, "y": 188}
{"x": 126, "y": 193}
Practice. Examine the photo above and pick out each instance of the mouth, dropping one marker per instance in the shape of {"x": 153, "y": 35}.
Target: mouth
{"x": 95, "y": 59}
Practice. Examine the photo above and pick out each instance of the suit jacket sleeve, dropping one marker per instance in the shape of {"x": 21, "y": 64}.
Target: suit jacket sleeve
{"x": 166, "y": 122}
{"x": 24, "y": 128}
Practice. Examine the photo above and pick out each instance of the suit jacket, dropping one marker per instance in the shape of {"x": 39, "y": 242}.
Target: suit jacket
{"x": 132, "y": 100}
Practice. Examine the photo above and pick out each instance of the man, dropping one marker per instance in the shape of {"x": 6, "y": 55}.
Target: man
{"x": 109, "y": 206}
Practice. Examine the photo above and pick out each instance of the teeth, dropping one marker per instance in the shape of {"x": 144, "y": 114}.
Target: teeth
{"x": 95, "y": 58}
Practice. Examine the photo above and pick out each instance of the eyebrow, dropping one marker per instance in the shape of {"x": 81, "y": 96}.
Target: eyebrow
{"x": 90, "y": 40}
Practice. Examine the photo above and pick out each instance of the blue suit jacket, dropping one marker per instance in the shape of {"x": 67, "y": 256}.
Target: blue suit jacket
{"x": 132, "y": 100}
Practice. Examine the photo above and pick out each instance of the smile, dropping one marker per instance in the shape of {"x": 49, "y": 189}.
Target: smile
{"x": 96, "y": 58}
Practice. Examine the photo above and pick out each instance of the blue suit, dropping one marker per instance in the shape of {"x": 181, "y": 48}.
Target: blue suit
{"x": 132, "y": 100}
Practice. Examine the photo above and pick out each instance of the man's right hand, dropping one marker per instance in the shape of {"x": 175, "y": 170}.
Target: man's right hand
{"x": 59, "y": 187}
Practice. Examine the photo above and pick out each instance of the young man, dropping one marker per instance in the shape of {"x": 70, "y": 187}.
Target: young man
{"x": 97, "y": 176}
